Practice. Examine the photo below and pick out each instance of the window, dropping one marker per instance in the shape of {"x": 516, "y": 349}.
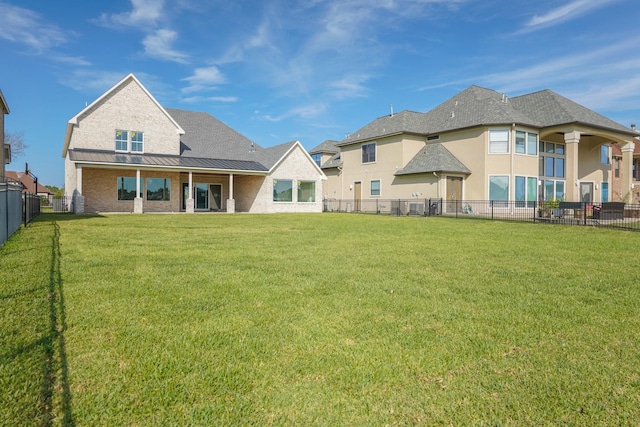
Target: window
{"x": 317, "y": 157}
{"x": 604, "y": 194}
{"x": 526, "y": 190}
{"x": 282, "y": 190}
{"x": 306, "y": 191}
{"x": 369, "y": 153}
{"x": 604, "y": 154}
{"x": 499, "y": 141}
{"x": 137, "y": 141}
{"x": 521, "y": 147}
{"x": 616, "y": 162}
{"x": 551, "y": 189}
{"x": 552, "y": 160}
{"x": 499, "y": 188}
{"x": 127, "y": 187}
{"x": 122, "y": 140}
{"x": 532, "y": 143}
{"x": 158, "y": 189}
{"x": 375, "y": 187}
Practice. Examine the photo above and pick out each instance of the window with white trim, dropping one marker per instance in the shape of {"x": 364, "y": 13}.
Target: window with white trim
{"x": 604, "y": 192}
{"x": 369, "y": 153}
{"x": 499, "y": 188}
{"x": 499, "y": 141}
{"x": 526, "y": 189}
{"x": 306, "y": 191}
{"x": 375, "y": 187}
{"x": 526, "y": 143}
{"x": 282, "y": 190}
{"x": 129, "y": 139}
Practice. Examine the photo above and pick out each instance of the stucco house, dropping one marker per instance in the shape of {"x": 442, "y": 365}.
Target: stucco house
{"x": 127, "y": 153}
{"x": 483, "y": 145}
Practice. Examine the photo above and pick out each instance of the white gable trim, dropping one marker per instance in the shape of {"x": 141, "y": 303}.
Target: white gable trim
{"x": 307, "y": 155}
{"x": 74, "y": 120}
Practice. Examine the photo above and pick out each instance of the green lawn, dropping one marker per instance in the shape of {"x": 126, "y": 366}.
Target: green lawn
{"x": 327, "y": 319}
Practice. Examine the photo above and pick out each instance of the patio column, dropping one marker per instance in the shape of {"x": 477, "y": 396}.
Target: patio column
{"x": 137, "y": 202}
{"x": 571, "y": 168}
{"x": 189, "y": 205}
{"x": 627, "y": 172}
{"x": 231, "y": 203}
{"x": 77, "y": 199}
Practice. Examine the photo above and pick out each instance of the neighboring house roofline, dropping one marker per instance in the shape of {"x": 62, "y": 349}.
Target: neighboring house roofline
{"x": 328, "y": 147}
{"x": 344, "y": 142}
{"x": 74, "y": 120}
{"x": 3, "y": 104}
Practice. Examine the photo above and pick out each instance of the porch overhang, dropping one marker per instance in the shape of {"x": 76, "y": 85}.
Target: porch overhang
{"x": 113, "y": 160}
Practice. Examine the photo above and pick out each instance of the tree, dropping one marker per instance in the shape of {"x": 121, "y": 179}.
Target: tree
{"x": 16, "y": 140}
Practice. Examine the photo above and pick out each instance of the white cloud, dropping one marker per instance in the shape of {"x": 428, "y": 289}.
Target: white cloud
{"x": 143, "y": 12}
{"x": 194, "y": 99}
{"x": 159, "y": 45}
{"x": 204, "y": 79}
{"x": 564, "y": 13}
{"x": 305, "y": 112}
{"x": 26, "y": 27}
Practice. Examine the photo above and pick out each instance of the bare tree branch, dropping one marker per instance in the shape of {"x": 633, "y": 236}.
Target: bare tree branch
{"x": 16, "y": 140}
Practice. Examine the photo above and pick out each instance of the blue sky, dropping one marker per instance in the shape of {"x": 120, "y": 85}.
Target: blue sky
{"x": 278, "y": 71}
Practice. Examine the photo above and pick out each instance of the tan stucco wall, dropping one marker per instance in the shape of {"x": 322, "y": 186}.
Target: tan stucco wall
{"x": 392, "y": 153}
{"x": 126, "y": 108}
{"x": 100, "y": 191}
{"x": 332, "y": 187}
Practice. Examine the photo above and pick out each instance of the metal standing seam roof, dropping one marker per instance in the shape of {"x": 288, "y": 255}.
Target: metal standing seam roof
{"x": 159, "y": 160}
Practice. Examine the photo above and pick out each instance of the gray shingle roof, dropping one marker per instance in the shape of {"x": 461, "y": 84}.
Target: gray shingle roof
{"x": 272, "y": 154}
{"x": 334, "y": 162}
{"x": 404, "y": 121}
{"x": 474, "y": 106}
{"x": 328, "y": 146}
{"x": 434, "y": 158}
{"x": 477, "y": 106}
{"x": 207, "y": 137}
{"x": 110, "y": 157}
{"x": 550, "y": 109}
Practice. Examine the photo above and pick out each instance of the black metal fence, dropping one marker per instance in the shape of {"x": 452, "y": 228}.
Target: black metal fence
{"x": 609, "y": 214}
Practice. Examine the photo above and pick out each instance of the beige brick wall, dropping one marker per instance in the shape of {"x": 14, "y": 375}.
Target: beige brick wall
{"x": 100, "y": 191}
{"x": 126, "y": 108}
{"x": 297, "y": 166}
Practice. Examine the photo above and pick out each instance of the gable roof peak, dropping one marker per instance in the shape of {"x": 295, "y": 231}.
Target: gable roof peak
{"x": 128, "y": 78}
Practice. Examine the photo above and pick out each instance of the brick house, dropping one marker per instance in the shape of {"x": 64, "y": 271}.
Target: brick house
{"x": 127, "y": 153}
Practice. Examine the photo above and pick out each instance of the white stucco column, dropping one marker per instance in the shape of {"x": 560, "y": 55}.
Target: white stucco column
{"x": 627, "y": 171}
{"x": 571, "y": 168}
{"x": 190, "y": 207}
{"x": 231, "y": 203}
{"x": 137, "y": 202}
